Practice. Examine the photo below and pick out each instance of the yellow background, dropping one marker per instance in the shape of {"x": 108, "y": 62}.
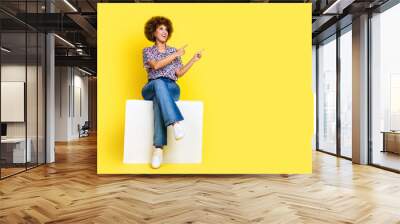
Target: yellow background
{"x": 254, "y": 79}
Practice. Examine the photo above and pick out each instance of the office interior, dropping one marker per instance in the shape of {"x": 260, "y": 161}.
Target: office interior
{"x": 375, "y": 57}
{"x": 48, "y": 76}
{"x": 48, "y": 80}
{"x": 48, "y": 83}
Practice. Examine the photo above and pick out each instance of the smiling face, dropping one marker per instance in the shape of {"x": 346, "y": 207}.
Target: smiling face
{"x": 161, "y": 34}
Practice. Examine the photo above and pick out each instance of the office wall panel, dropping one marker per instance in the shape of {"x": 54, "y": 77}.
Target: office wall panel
{"x": 12, "y": 100}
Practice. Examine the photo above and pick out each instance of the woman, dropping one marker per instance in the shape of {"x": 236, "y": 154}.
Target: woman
{"x": 164, "y": 66}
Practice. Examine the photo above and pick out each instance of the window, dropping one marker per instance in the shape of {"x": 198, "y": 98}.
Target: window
{"x": 385, "y": 89}
{"x": 346, "y": 93}
{"x": 327, "y": 95}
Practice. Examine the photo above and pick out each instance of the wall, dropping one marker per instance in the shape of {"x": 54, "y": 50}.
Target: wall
{"x": 256, "y": 94}
{"x": 71, "y": 102}
{"x": 15, "y": 72}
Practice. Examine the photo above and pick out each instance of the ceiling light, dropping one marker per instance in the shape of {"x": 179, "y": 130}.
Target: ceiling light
{"x": 84, "y": 71}
{"x": 64, "y": 40}
{"x": 338, "y": 6}
{"x": 70, "y": 5}
{"x": 5, "y": 50}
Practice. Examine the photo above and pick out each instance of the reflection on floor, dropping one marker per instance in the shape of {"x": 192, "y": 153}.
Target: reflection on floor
{"x": 70, "y": 191}
{"x": 386, "y": 159}
{"x": 10, "y": 169}
{"x": 346, "y": 152}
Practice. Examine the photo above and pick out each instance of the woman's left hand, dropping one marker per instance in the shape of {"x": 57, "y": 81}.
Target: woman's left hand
{"x": 181, "y": 71}
{"x": 197, "y": 56}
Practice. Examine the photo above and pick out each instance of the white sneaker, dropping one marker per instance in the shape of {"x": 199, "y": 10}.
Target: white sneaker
{"x": 157, "y": 158}
{"x": 179, "y": 130}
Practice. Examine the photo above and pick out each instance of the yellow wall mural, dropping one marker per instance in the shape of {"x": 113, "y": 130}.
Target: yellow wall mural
{"x": 254, "y": 80}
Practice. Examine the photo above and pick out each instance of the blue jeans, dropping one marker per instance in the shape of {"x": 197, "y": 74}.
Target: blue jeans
{"x": 163, "y": 92}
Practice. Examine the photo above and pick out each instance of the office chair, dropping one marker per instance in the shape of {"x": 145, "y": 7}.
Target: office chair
{"x": 84, "y": 130}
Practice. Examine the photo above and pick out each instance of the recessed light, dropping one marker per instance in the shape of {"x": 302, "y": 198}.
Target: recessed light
{"x": 338, "y": 6}
{"x": 5, "y": 50}
{"x": 64, "y": 40}
{"x": 84, "y": 71}
{"x": 70, "y": 5}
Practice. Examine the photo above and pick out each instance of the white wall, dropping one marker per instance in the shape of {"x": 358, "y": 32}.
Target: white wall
{"x": 12, "y": 73}
{"x": 34, "y": 125}
{"x": 71, "y": 94}
{"x": 62, "y": 81}
{"x": 81, "y": 84}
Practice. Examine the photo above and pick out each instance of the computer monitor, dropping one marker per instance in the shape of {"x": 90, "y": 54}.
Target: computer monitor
{"x": 3, "y": 129}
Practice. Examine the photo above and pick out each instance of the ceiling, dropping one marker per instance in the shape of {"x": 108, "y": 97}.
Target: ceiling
{"x": 76, "y": 22}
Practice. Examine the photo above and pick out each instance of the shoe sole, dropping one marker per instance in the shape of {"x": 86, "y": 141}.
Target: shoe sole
{"x": 179, "y": 137}
{"x": 155, "y": 167}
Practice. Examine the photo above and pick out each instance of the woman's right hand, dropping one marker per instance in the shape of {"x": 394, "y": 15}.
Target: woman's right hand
{"x": 181, "y": 51}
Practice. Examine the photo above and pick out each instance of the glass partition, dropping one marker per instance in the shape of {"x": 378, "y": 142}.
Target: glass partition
{"x": 22, "y": 88}
{"x": 346, "y": 93}
{"x": 13, "y": 95}
{"x": 327, "y": 95}
{"x": 385, "y": 89}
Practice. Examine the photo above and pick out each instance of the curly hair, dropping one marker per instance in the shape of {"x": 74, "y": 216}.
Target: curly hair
{"x": 153, "y": 23}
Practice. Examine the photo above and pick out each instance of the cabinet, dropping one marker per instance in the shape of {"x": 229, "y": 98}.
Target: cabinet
{"x": 391, "y": 142}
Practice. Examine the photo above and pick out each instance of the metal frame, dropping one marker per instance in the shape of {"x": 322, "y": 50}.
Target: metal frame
{"x": 316, "y": 98}
{"x": 369, "y": 91}
{"x": 26, "y": 89}
{"x": 0, "y": 93}
{"x": 338, "y": 98}
{"x": 338, "y": 153}
{"x": 44, "y": 70}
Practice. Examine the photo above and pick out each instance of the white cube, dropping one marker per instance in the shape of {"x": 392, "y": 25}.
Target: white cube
{"x": 139, "y": 128}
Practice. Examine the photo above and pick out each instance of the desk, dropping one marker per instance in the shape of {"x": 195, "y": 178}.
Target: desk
{"x": 17, "y": 150}
{"x": 391, "y": 141}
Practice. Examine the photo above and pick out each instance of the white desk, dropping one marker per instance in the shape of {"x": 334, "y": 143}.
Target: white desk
{"x": 19, "y": 149}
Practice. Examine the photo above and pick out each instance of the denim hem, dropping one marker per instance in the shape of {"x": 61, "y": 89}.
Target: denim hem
{"x": 157, "y": 146}
{"x": 168, "y": 123}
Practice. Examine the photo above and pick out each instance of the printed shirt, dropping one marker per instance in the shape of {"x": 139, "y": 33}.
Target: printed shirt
{"x": 168, "y": 71}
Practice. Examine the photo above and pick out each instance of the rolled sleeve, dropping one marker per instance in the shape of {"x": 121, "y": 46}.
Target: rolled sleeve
{"x": 147, "y": 56}
{"x": 178, "y": 62}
